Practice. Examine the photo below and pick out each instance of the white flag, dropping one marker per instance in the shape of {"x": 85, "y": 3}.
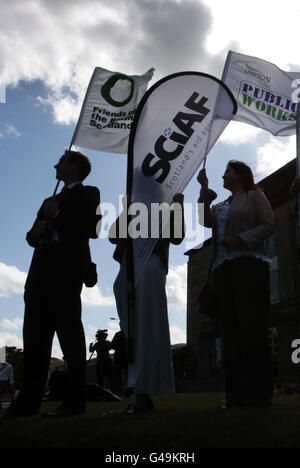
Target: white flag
{"x": 108, "y": 110}
{"x": 264, "y": 93}
{"x": 177, "y": 123}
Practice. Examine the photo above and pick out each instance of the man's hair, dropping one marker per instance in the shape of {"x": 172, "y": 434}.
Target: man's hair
{"x": 246, "y": 174}
{"x": 84, "y": 164}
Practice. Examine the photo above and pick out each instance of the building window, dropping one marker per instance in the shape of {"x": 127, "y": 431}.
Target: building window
{"x": 272, "y": 250}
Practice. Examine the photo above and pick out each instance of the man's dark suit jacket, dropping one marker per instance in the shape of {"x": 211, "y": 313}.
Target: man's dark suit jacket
{"x": 75, "y": 223}
{"x": 52, "y": 295}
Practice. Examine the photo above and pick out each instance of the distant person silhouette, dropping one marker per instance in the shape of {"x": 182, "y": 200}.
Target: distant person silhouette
{"x": 104, "y": 362}
{"x": 6, "y": 380}
{"x": 60, "y": 265}
{"x": 120, "y": 361}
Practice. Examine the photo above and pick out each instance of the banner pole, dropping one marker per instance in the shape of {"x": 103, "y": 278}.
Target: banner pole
{"x": 56, "y": 187}
{"x": 298, "y": 171}
{"x": 58, "y": 182}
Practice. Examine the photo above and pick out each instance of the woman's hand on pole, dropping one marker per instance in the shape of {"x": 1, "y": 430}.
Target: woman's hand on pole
{"x": 202, "y": 178}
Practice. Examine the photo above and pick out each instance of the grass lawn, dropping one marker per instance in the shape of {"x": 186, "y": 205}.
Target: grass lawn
{"x": 181, "y": 421}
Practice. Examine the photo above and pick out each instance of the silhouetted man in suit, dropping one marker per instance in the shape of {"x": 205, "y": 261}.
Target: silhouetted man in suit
{"x": 60, "y": 236}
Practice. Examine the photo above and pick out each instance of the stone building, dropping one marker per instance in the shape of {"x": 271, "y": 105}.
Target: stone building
{"x": 204, "y": 335}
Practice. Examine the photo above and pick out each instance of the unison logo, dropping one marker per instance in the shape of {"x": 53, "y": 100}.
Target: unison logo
{"x": 257, "y": 74}
{"x": 2, "y": 93}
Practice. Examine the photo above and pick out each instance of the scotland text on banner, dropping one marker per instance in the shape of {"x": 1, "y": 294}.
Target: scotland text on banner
{"x": 108, "y": 110}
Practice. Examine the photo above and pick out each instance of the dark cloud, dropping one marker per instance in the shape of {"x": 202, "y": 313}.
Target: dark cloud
{"x": 173, "y": 33}
{"x": 61, "y": 42}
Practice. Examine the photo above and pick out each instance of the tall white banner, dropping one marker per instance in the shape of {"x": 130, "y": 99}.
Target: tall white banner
{"x": 108, "y": 110}
{"x": 264, "y": 93}
{"x": 177, "y": 123}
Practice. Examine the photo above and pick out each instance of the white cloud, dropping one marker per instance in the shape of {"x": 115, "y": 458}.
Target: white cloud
{"x": 10, "y": 131}
{"x": 177, "y": 286}
{"x": 234, "y": 20}
{"x": 178, "y": 335}
{"x": 15, "y": 324}
{"x": 65, "y": 109}
{"x": 94, "y": 297}
{"x": 61, "y": 43}
{"x": 237, "y": 133}
{"x": 10, "y": 339}
{"x": 92, "y": 330}
{"x": 274, "y": 154}
{"x": 12, "y": 280}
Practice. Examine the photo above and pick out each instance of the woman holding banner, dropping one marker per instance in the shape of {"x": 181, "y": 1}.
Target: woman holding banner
{"x": 150, "y": 371}
{"x": 240, "y": 225}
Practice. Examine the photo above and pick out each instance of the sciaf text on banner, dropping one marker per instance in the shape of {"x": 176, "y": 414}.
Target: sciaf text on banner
{"x": 177, "y": 123}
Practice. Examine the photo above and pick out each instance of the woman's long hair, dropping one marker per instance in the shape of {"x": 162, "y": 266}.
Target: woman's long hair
{"x": 246, "y": 174}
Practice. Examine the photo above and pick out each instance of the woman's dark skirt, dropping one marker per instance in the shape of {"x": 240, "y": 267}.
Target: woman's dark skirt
{"x": 243, "y": 293}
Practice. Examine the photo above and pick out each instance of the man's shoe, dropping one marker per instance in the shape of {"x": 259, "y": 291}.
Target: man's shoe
{"x": 256, "y": 403}
{"x": 247, "y": 404}
{"x": 138, "y": 407}
{"x": 64, "y": 411}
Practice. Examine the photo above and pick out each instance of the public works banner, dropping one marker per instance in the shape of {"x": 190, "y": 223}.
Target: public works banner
{"x": 264, "y": 93}
{"x": 108, "y": 110}
{"x": 177, "y": 123}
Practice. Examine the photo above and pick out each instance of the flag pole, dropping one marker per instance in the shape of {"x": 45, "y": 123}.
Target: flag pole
{"x": 58, "y": 182}
{"x": 298, "y": 171}
{"x": 56, "y": 187}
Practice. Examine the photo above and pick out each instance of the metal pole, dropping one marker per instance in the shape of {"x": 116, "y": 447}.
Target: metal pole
{"x": 58, "y": 182}
{"x": 56, "y": 187}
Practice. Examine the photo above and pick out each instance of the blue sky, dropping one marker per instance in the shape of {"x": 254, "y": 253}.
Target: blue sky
{"x": 46, "y": 61}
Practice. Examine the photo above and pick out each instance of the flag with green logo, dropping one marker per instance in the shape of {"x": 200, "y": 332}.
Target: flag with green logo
{"x": 108, "y": 109}
{"x": 265, "y": 94}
